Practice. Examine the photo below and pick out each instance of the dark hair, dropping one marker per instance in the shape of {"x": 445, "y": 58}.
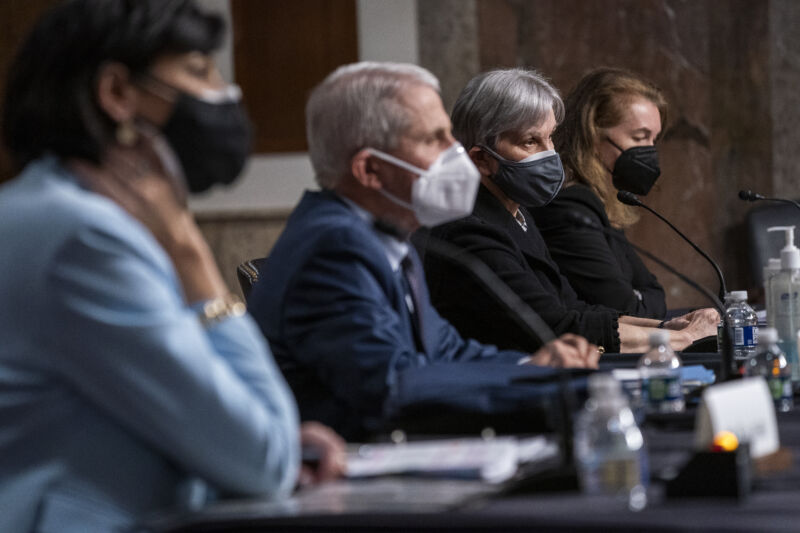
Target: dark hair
{"x": 49, "y": 99}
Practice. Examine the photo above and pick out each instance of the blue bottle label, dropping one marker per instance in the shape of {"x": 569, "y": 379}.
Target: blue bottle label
{"x": 745, "y": 336}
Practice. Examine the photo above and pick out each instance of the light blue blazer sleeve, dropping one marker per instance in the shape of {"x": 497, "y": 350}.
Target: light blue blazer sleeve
{"x": 212, "y": 401}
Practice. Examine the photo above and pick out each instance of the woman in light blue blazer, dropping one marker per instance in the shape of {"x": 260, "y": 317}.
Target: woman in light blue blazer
{"x": 130, "y": 379}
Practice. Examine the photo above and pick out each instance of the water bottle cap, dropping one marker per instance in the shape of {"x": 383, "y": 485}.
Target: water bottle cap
{"x": 772, "y": 268}
{"x": 739, "y": 296}
{"x": 767, "y": 335}
{"x": 659, "y": 337}
{"x": 604, "y": 385}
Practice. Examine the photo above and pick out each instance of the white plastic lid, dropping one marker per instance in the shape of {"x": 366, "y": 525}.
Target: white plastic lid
{"x": 767, "y": 335}
{"x": 738, "y": 296}
{"x": 659, "y": 337}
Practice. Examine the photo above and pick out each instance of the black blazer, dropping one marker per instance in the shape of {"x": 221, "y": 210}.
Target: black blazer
{"x": 521, "y": 260}
{"x": 601, "y": 269}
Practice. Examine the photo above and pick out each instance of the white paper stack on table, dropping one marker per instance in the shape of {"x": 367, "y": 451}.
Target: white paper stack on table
{"x": 492, "y": 460}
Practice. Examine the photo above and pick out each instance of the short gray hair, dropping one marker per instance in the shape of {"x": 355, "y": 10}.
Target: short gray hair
{"x": 357, "y": 106}
{"x": 500, "y": 101}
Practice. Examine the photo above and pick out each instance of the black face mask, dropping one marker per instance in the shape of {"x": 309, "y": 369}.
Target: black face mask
{"x": 210, "y": 139}
{"x": 636, "y": 169}
{"x": 532, "y": 183}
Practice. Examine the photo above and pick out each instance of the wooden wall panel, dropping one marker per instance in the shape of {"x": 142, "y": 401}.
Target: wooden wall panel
{"x": 17, "y": 17}
{"x": 281, "y": 50}
{"x": 717, "y": 68}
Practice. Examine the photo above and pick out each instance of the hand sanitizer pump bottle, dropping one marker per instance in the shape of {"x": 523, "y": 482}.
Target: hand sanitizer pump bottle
{"x": 784, "y": 288}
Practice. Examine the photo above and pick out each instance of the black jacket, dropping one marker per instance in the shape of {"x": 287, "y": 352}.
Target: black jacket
{"x": 521, "y": 260}
{"x": 602, "y": 270}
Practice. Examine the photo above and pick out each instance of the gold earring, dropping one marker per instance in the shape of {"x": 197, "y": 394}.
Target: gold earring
{"x": 126, "y": 134}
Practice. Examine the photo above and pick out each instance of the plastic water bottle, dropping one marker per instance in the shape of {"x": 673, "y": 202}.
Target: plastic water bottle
{"x": 660, "y": 369}
{"x": 770, "y": 363}
{"x": 609, "y": 447}
{"x": 743, "y": 322}
{"x": 772, "y": 269}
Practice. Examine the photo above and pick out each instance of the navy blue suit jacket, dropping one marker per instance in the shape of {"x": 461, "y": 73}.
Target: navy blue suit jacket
{"x": 335, "y": 316}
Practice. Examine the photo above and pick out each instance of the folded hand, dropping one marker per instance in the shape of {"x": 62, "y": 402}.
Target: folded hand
{"x": 568, "y": 351}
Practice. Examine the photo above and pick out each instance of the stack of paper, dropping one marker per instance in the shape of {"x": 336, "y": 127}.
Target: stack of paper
{"x": 492, "y": 460}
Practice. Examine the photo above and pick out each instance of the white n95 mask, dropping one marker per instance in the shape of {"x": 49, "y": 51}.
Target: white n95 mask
{"x": 444, "y": 192}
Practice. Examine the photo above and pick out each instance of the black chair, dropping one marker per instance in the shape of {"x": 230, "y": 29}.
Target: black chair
{"x": 763, "y": 245}
{"x": 248, "y": 274}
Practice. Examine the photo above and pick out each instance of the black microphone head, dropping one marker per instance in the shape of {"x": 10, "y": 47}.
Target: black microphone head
{"x": 628, "y": 198}
{"x": 750, "y": 196}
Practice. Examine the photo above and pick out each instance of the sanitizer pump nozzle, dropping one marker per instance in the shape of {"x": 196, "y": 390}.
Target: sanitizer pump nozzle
{"x": 790, "y": 254}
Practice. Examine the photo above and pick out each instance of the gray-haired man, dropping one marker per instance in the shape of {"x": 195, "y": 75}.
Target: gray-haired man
{"x": 342, "y": 298}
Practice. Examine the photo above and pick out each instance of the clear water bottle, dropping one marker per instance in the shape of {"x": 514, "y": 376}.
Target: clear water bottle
{"x": 609, "y": 447}
{"x": 772, "y": 269}
{"x": 743, "y": 322}
{"x": 770, "y": 363}
{"x": 660, "y": 369}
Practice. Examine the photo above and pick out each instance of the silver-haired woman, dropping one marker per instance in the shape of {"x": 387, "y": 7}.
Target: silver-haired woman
{"x": 505, "y": 119}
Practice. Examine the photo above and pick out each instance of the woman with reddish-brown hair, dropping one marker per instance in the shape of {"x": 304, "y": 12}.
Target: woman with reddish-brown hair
{"x": 612, "y": 121}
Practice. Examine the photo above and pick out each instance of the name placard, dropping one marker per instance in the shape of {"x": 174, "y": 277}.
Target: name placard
{"x": 745, "y": 408}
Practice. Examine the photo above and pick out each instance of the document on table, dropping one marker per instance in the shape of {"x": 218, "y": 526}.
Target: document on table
{"x": 492, "y": 460}
{"x": 695, "y": 374}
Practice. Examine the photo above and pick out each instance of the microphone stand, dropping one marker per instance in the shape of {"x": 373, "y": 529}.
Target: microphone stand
{"x": 565, "y": 476}
{"x": 750, "y": 196}
{"x": 728, "y": 368}
{"x": 628, "y": 198}
{"x": 515, "y": 306}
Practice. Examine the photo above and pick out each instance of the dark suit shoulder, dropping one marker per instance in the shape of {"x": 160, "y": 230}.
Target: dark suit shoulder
{"x": 322, "y": 230}
{"x": 472, "y": 230}
{"x": 323, "y": 221}
{"x": 576, "y": 199}
{"x": 580, "y": 194}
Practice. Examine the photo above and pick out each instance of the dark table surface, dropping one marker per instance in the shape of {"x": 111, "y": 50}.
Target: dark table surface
{"x": 416, "y": 504}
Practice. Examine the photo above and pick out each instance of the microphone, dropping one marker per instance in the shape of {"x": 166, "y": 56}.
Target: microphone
{"x": 729, "y": 369}
{"x": 628, "y": 198}
{"x": 516, "y": 308}
{"x": 582, "y": 220}
{"x": 750, "y": 196}
{"x": 532, "y": 323}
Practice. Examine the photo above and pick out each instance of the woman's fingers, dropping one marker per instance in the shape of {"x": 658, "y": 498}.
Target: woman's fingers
{"x": 329, "y": 447}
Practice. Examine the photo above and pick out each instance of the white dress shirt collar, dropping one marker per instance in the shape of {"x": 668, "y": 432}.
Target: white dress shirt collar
{"x": 395, "y": 249}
